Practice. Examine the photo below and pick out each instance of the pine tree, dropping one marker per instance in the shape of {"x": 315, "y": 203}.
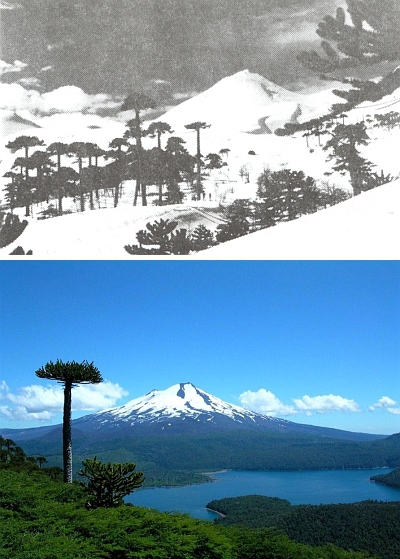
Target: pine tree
{"x": 69, "y": 374}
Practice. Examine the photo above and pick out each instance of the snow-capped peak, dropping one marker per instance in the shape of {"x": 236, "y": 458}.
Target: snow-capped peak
{"x": 178, "y": 399}
{"x": 235, "y": 103}
{"x": 181, "y": 408}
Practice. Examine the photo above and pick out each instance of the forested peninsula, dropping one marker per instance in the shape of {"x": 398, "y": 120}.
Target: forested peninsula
{"x": 371, "y": 526}
{"x": 392, "y": 479}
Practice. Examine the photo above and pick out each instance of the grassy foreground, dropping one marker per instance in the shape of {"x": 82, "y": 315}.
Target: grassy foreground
{"x": 42, "y": 518}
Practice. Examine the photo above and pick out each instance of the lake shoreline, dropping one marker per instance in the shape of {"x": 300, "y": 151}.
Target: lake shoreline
{"x": 312, "y": 487}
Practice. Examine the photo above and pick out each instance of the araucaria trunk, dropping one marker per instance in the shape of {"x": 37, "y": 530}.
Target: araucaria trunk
{"x": 67, "y": 438}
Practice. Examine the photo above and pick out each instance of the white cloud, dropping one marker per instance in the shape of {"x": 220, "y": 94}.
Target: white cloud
{"x": 387, "y": 404}
{"x": 264, "y": 402}
{"x": 384, "y": 402}
{"x": 19, "y": 413}
{"x": 325, "y": 404}
{"x": 36, "y": 402}
{"x": 3, "y": 388}
{"x": 16, "y": 66}
{"x": 29, "y": 82}
{"x": 66, "y": 99}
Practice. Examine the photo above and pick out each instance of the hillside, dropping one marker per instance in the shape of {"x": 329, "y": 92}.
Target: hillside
{"x": 45, "y": 519}
{"x": 392, "y": 479}
{"x": 242, "y": 110}
{"x": 371, "y": 526}
{"x": 167, "y": 458}
{"x": 364, "y": 227}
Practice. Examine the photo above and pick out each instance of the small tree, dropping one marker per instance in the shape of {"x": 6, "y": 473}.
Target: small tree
{"x": 158, "y": 234}
{"x": 202, "y": 238}
{"x": 238, "y": 221}
{"x": 40, "y": 460}
{"x": 180, "y": 242}
{"x": 69, "y": 374}
{"x": 343, "y": 143}
{"x": 109, "y": 483}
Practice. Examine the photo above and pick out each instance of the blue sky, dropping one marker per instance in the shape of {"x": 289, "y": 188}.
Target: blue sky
{"x": 313, "y": 342}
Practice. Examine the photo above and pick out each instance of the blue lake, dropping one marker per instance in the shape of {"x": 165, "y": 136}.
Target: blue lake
{"x": 311, "y": 487}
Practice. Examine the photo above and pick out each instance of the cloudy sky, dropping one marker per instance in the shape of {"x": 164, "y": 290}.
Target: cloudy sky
{"x": 169, "y": 46}
{"x": 312, "y": 342}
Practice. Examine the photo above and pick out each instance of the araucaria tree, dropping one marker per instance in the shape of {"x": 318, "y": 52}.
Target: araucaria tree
{"x": 109, "y": 483}
{"x": 198, "y": 126}
{"x": 138, "y": 102}
{"x": 373, "y": 35}
{"x": 69, "y": 374}
{"x": 343, "y": 143}
{"x": 25, "y": 142}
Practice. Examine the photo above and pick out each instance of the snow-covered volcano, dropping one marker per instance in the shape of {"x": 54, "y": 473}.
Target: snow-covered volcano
{"x": 247, "y": 102}
{"x": 185, "y": 409}
{"x": 181, "y": 407}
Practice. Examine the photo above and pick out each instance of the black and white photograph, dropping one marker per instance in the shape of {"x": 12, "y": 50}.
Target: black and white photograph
{"x": 201, "y": 129}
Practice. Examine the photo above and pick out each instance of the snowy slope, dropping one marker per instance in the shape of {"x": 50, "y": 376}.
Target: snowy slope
{"x": 102, "y": 234}
{"x": 364, "y": 227}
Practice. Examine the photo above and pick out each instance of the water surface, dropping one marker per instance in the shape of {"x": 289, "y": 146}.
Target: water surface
{"x": 305, "y": 487}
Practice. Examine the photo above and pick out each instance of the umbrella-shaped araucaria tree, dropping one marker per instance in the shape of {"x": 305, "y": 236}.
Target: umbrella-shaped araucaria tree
{"x": 25, "y": 143}
{"x": 138, "y": 102}
{"x": 198, "y": 126}
{"x": 69, "y": 374}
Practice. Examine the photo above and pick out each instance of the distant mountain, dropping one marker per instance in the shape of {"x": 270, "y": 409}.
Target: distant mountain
{"x": 248, "y": 102}
{"x": 183, "y": 409}
{"x": 13, "y": 123}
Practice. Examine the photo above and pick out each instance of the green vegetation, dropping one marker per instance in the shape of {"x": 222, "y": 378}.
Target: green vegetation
{"x": 392, "y": 479}
{"x": 109, "y": 483}
{"x": 44, "y": 519}
{"x": 168, "y": 460}
{"x": 371, "y": 526}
